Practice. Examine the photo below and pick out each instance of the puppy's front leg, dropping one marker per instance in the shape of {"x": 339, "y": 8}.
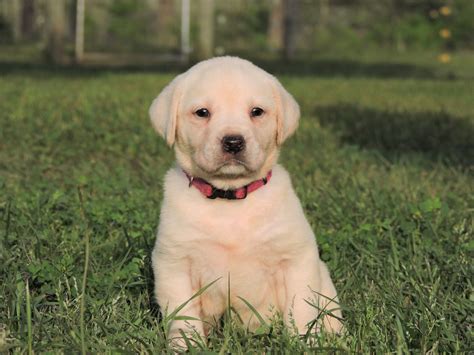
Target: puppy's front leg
{"x": 173, "y": 288}
{"x": 306, "y": 278}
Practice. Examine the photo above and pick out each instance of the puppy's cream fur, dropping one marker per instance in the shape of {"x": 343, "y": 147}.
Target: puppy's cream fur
{"x": 263, "y": 245}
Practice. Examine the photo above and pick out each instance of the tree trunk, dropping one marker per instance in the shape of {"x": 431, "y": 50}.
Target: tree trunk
{"x": 291, "y": 10}
{"x": 206, "y": 29}
{"x": 101, "y": 16}
{"x": 276, "y": 26}
{"x": 165, "y": 21}
{"x": 185, "y": 29}
{"x": 28, "y": 18}
{"x": 15, "y": 13}
{"x": 154, "y": 10}
{"x": 79, "y": 31}
{"x": 323, "y": 14}
{"x": 56, "y": 25}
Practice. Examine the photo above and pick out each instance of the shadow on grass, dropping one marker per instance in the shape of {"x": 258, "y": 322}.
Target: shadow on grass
{"x": 438, "y": 136}
{"x": 351, "y": 68}
{"x": 314, "y": 67}
{"x": 47, "y": 71}
{"x": 44, "y": 70}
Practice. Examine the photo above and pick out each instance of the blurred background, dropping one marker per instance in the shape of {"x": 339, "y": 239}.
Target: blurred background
{"x": 145, "y": 32}
{"x": 383, "y": 163}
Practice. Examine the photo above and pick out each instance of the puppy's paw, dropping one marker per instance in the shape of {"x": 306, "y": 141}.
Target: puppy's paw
{"x": 333, "y": 324}
{"x": 181, "y": 340}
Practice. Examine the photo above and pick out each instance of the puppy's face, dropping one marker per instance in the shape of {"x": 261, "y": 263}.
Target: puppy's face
{"x": 227, "y": 122}
{"x": 227, "y": 119}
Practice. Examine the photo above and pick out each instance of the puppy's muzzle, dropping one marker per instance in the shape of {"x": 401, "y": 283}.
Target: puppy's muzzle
{"x": 233, "y": 144}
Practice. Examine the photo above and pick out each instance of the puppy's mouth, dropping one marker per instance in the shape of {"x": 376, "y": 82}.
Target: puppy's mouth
{"x": 234, "y": 161}
{"x": 229, "y": 168}
{"x": 237, "y": 161}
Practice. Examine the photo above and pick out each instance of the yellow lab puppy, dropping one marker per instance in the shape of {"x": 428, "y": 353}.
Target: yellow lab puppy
{"x": 229, "y": 210}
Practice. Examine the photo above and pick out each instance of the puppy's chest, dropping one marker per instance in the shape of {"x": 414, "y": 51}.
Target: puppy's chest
{"x": 232, "y": 243}
{"x": 247, "y": 263}
{"x": 237, "y": 229}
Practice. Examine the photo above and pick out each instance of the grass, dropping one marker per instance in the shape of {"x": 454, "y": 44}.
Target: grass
{"x": 383, "y": 165}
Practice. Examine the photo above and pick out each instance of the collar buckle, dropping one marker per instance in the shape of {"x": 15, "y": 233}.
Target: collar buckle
{"x": 227, "y": 194}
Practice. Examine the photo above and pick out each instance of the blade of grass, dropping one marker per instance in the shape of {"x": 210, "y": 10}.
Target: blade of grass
{"x": 173, "y": 314}
{"x": 84, "y": 276}
{"x": 254, "y": 311}
{"x": 28, "y": 318}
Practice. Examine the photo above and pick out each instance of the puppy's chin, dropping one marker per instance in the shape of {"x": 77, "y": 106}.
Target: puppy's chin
{"x": 226, "y": 169}
{"x": 226, "y": 172}
{"x": 232, "y": 169}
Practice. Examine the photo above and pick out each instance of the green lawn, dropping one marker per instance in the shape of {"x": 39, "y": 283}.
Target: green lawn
{"x": 383, "y": 163}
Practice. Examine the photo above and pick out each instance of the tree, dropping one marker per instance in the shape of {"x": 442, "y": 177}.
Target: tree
{"x": 291, "y": 13}
{"x": 166, "y": 19}
{"x": 15, "y": 16}
{"x": 56, "y": 26}
{"x": 28, "y": 14}
{"x": 206, "y": 29}
{"x": 276, "y": 26}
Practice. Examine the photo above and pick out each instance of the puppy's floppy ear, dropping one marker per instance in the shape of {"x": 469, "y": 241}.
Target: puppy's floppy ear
{"x": 288, "y": 112}
{"x": 164, "y": 110}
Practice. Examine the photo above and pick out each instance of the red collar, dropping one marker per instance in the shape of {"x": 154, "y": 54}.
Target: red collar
{"x": 213, "y": 192}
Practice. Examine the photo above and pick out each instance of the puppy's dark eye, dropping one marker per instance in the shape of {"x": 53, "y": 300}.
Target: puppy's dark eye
{"x": 256, "y": 112}
{"x": 203, "y": 112}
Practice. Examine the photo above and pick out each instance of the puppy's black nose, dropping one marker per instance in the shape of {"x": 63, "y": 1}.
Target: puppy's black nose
{"x": 233, "y": 144}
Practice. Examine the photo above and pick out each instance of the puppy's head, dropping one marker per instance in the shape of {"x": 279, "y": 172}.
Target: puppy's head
{"x": 226, "y": 119}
